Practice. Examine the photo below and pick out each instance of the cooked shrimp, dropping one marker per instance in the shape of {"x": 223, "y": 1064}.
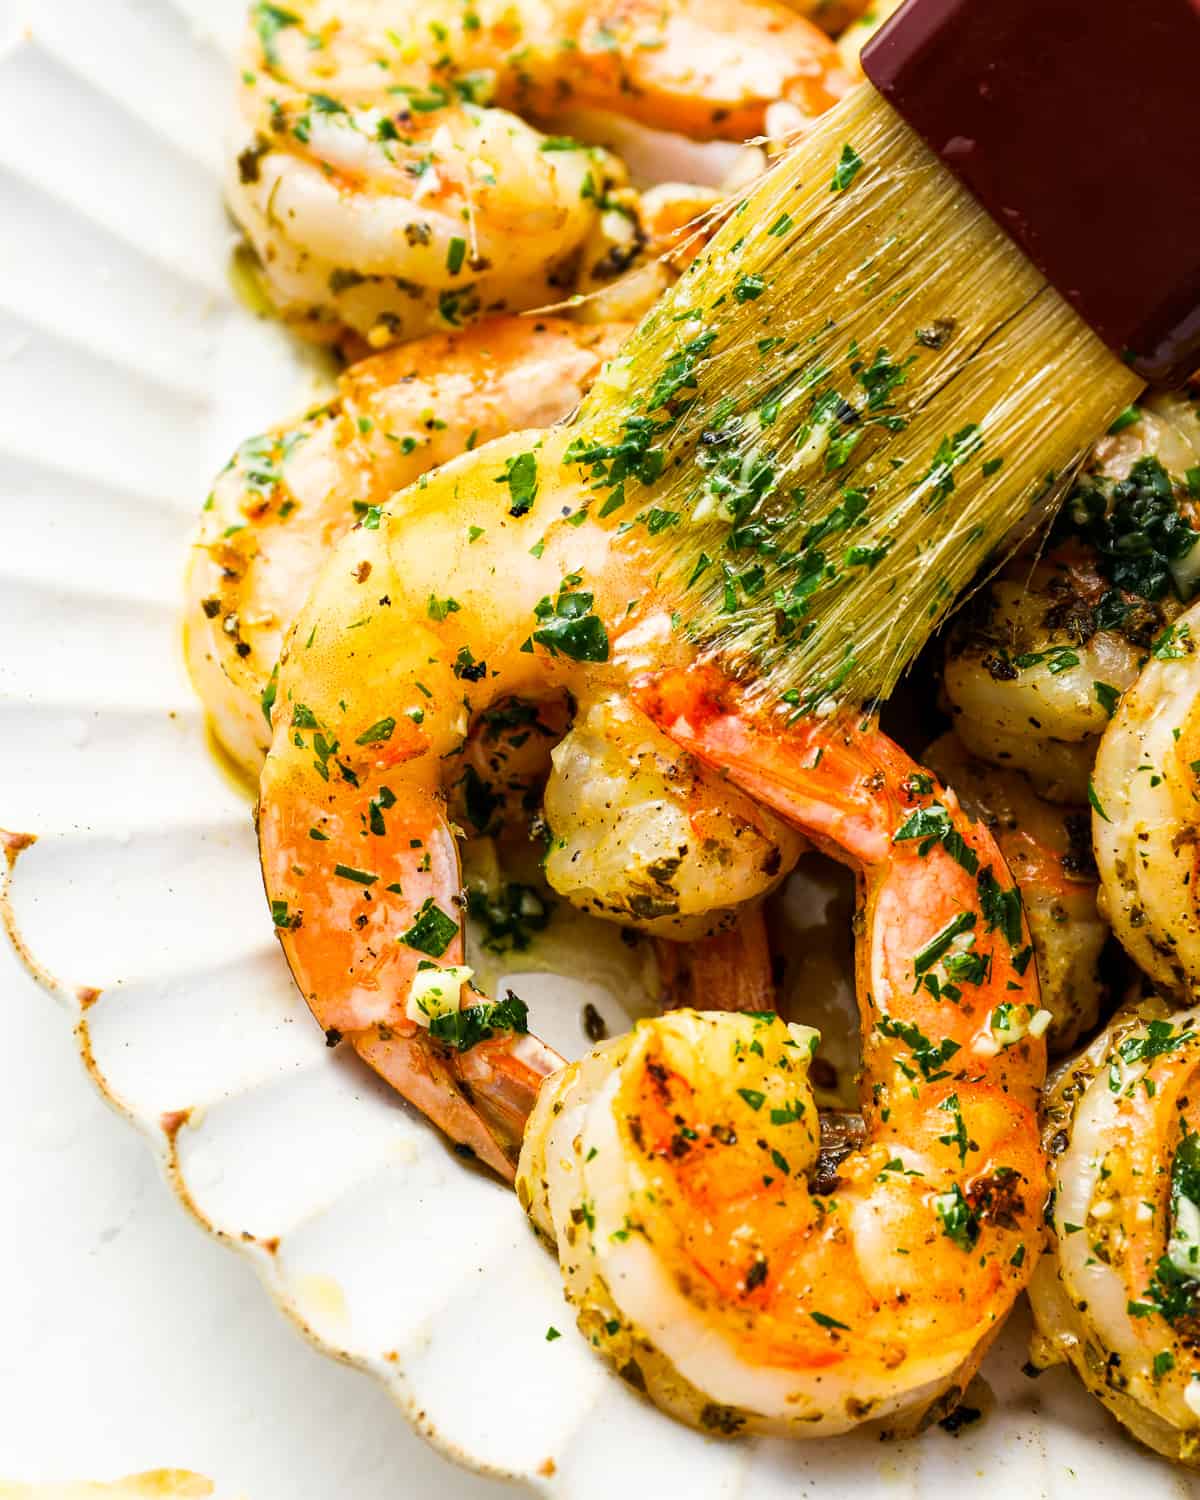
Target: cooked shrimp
{"x": 543, "y": 565}
{"x": 639, "y": 832}
{"x": 832, "y": 16}
{"x": 287, "y": 496}
{"x": 386, "y": 184}
{"x": 467, "y": 594}
{"x": 1031, "y": 680}
{"x": 1146, "y": 812}
{"x": 672, "y": 1170}
{"x": 1037, "y": 663}
{"x": 1048, "y": 848}
{"x": 1120, "y": 1296}
{"x": 859, "y": 31}
{"x": 362, "y": 871}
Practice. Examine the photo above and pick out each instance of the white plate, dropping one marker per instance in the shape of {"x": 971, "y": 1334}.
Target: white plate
{"x": 127, "y": 374}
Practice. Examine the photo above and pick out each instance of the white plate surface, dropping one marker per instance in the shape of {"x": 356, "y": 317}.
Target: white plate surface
{"x": 127, "y": 374}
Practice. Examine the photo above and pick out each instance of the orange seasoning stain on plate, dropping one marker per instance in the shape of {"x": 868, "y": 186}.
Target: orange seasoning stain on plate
{"x": 154, "y": 1484}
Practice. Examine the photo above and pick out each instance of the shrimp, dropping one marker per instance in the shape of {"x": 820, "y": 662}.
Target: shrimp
{"x": 833, "y": 16}
{"x": 672, "y": 1170}
{"x": 639, "y": 832}
{"x": 859, "y": 30}
{"x": 286, "y": 496}
{"x": 417, "y": 625}
{"x": 558, "y": 564}
{"x": 1119, "y": 1298}
{"x": 641, "y": 853}
{"x": 376, "y": 694}
{"x": 386, "y": 184}
{"x": 1145, "y": 799}
{"x": 1030, "y": 680}
{"x": 1048, "y": 848}
{"x": 1038, "y": 661}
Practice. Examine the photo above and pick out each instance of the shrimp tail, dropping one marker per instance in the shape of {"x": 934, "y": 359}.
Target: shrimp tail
{"x": 480, "y": 1098}
{"x": 730, "y": 970}
{"x": 789, "y": 771}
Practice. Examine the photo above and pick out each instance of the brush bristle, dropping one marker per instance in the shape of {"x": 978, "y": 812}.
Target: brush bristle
{"x": 840, "y": 410}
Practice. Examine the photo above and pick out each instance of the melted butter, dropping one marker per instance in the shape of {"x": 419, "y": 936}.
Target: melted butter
{"x": 320, "y": 1300}
{"x": 233, "y": 773}
{"x": 613, "y": 970}
{"x": 245, "y": 277}
{"x": 154, "y": 1484}
{"x": 809, "y": 921}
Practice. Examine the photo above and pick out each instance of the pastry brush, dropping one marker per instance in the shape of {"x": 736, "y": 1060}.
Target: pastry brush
{"x": 907, "y": 333}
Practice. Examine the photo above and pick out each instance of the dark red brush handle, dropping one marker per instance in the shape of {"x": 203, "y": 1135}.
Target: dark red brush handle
{"x": 1076, "y": 123}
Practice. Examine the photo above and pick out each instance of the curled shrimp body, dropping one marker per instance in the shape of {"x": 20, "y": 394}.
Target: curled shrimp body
{"x": 458, "y": 600}
{"x": 640, "y": 833}
{"x": 286, "y": 496}
{"x": 674, "y": 1170}
{"x": 1048, "y": 848}
{"x": 388, "y": 182}
{"x": 1029, "y": 680}
{"x": 1119, "y": 1297}
{"x": 1040, "y": 657}
{"x": 1146, "y": 812}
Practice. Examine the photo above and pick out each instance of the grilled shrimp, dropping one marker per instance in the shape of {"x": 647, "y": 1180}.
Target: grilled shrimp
{"x": 859, "y": 30}
{"x": 561, "y": 564}
{"x": 1119, "y": 1297}
{"x": 385, "y": 176}
{"x": 832, "y": 16}
{"x": 466, "y": 595}
{"x": 673, "y": 1170}
{"x": 1037, "y": 663}
{"x": 638, "y": 846}
{"x": 1047, "y": 846}
{"x": 1146, "y": 812}
{"x": 378, "y": 687}
{"x": 286, "y": 496}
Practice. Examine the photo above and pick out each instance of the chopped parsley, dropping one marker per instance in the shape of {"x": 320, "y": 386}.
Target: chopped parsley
{"x": 930, "y": 1058}
{"x": 1001, "y": 907}
{"x": 848, "y": 167}
{"x": 463, "y": 1029}
{"x": 958, "y": 1136}
{"x": 823, "y": 1320}
{"x": 520, "y": 474}
{"x": 933, "y": 825}
{"x": 748, "y": 288}
{"x": 940, "y": 943}
{"x": 1137, "y": 529}
{"x": 959, "y": 1221}
{"x": 269, "y": 21}
{"x": 510, "y": 918}
{"x": 377, "y": 733}
{"x": 1174, "y": 644}
{"x": 1160, "y": 1038}
{"x": 267, "y": 700}
{"x": 1174, "y": 1290}
{"x": 1107, "y": 696}
{"x": 432, "y": 930}
{"x": 568, "y": 624}
{"x": 438, "y": 609}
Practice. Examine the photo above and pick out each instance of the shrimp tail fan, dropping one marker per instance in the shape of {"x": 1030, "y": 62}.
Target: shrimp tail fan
{"x": 851, "y": 400}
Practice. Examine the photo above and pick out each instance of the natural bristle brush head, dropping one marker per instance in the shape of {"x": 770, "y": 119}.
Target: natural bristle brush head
{"x": 843, "y": 408}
